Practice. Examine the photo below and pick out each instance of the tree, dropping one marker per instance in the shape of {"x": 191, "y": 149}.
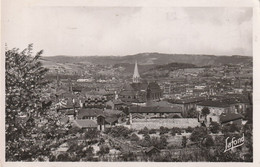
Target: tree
{"x": 163, "y": 142}
{"x": 120, "y": 131}
{"x": 214, "y": 127}
{"x": 101, "y": 141}
{"x": 192, "y": 113}
{"x": 208, "y": 142}
{"x": 184, "y": 141}
{"x": 230, "y": 128}
{"x": 125, "y": 110}
{"x": 34, "y": 137}
{"x": 163, "y": 130}
{"x": 128, "y": 156}
{"x": 24, "y": 85}
{"x": 198, "y": 134}
{"x": 189, "y": 129}
{"x": 205, "y": 111}
{"x": 147, "y": 137}
{"x": 249, "y": 115}
{"x": 175, "y": 130}
{"x": 248, "y": 132}
{"x": 146, "y": 141}
{"x": 74, "y": 130}
{"x": 152, "y": 131}
{"x": 144, "y": 131}
{"x": 63, "y": 157}
{"x": 91, "y": 134}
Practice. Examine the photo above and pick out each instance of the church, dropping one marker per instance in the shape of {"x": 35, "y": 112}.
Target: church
{"x": 140, "y": 91}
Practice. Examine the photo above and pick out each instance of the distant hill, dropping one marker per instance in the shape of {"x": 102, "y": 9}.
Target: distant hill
{"x": 173, "y": 66}
{"x": 150, "y": 59}
{"x": 129, "y": 68}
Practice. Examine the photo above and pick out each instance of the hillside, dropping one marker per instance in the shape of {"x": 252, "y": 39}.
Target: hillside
{"x": 150, "y": 59}
{"x": 174, "y": 66}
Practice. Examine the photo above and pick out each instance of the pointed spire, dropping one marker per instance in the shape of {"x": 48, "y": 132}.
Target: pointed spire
{"x": 136, "y": 76}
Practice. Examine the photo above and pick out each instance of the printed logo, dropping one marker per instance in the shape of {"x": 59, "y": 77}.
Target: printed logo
{"x": 233, "y": 143}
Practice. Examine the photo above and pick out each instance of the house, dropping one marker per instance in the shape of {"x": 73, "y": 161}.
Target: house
{"x": 94, "y": 114}
{"x": 186, "y": 104}
{"x": 71, "y": 114}
{"x": 152, "y": 151}
{"x": 101, "y": 122}
{"x": 161, "y": 104}
{"x": 111, "y": 120}
{"x": 115, "y": 104}
{"x": 231, "y": 118}
{"x": 89, "y": 113}
{"x": 241, "y": 102}
{"x": 102, "y": 92}
{"x": 77, "y": 89}
{"x": 118, "y": 113}
{"x": 112, "y": 117}
{"x": 230, "y": 104}
{"x": 85, "y": 124}
{"x": 216, "y": 108}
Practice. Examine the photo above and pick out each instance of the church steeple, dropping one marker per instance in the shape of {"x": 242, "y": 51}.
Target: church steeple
{"x": 136, "y": 76}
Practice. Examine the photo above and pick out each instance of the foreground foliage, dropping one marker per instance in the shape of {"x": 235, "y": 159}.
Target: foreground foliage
{"x": 25, "y": 93}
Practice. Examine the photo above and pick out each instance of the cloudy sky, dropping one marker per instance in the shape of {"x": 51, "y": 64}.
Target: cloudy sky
{"x": 82, "y": 31}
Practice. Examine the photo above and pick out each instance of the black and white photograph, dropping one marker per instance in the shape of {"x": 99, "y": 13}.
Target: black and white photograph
{"x": 119, "y": 83}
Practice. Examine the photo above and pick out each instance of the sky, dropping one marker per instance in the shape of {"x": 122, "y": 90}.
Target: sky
{"x": 83, "y": 31}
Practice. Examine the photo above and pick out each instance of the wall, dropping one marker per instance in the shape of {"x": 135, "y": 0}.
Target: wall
{"x": 155, "y": 115}
{"x": 169, "y": 123}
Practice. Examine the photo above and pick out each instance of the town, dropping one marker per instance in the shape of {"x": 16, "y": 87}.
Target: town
{"x": 175, "y": 112}
{"x": 128, "y": 82}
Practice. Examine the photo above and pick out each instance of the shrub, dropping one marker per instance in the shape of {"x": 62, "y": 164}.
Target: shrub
{"x": 214, "y": 127}
{"x": 152, "y": 131}
{"x": 144, "y": 131}
{"x": 164, "y": 130}
{"x": 189, "y": 129}
{"x": 198, "y": 134}
{"x": 175, "y": 130}
{"x": 208, "y": 142}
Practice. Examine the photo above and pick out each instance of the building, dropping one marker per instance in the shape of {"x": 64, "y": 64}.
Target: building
{"x": 150, "y": 151}
{"x": 138, "y": 91}
{"x": 95, "y": 115}
{"x": 85, "y": 124}
{"x": 115, "y": 104}
{"x": 167, "y": 88}
{"x": 95, "y": 101}
{"x": 136, "y": 76}
{"x": 151, "y": 112}
{"x": 218, "y": 109}
{"x": 89, "y": 113}
{"x": 231, "y": 118}
{"x": 186, "y": 104}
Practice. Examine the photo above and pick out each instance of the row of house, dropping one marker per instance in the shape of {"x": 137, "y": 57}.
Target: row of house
{"x": 88, "y": 118}
{"x": 223, "y": 111}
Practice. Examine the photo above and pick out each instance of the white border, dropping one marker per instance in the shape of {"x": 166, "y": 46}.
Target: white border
{"x": 147, "y": 3}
